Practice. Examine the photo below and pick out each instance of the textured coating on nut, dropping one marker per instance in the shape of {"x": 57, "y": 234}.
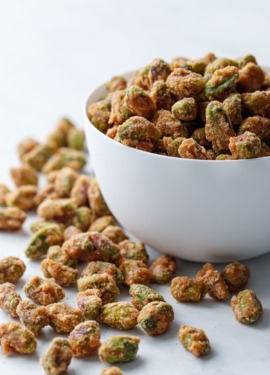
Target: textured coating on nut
{"x": 142, "y": 295}
{"x": 114, "y": 233}
{"x": 58, "y": 209}
{"x": 163, "y": 269}
{"x": 17, "y": 338}
{"x": 96, "y": 200}
{"x": 194, "y": 340}
{"x": 138, "y": 102}
{"x": 119, "y": 315}
{"x": 119, "y": 349}
{"x": 190, "y": 149}
{"x": 245, "y": 146}
{"x": 9, "y": 299}
{"x": 99, "y": 114}
{"x": 99, "y": 267}
{"x": 90, "y": 303}
{"x": 64, "y": 318}
{"x": 101, "y": 223}
{"x": 58, "y": 254}
{"x": 213, "y": 282}
{"x": 133, "y": 250}
{"x": 185, "y": 83}
{"x": 84, "y": 339}
{"x": 34, "y": 317}
{"x": 63, "y": 275}
{"x": 184, "y": 289}
{"x": 236, "y": 276}
{"x": 113, "y": 370}
{"x": 65, "y": 157}
{"x": 156, "y": 317}
{"x": 135, "y": 272}
{"x": 43, "y": 291}
{"x": 247, "y": 307}
{"x": 79, "y": 190}
{"x": 221, "y": 83}
{"x": 169, "y": 125}
{"x": 185, "y": 109}
{"x": 64, "y": 182}
{"x": 57, "y": 358}
{"x": 11, "y": 269}
{"x": 22, "y": 198}
{"x": 24, "y": 175}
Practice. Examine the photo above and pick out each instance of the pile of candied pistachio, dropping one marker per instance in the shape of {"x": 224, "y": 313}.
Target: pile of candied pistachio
{"x": 76, "y": 227}
{"x": 209, "y": 109}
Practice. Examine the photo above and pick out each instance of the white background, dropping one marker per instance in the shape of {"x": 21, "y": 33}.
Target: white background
{"x": 53, "y": 53}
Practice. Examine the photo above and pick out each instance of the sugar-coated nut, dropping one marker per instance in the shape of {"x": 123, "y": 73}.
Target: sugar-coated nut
{"x": 257, "y": 103}
{"x": 79, "y": 190}
{"x": 114, "y": 233}
{"x": 64, "y": 318}
{"x": 9, "y": 299}
{"x": 98, "y": 267}
{"x": 168, "y": 125}
{"x": 96, "y": 200}
{"x": 46, "y": 192}
{"x": 158, "y": 70}
{"x": 34, "y": 317}
{"x": 57, "y": 358}
{"x": 236, "y": 276}
{"x": 247, "y": 307}
{"x": 135, "y": 272}
{"x": 233, "y": 109}
{"x": 221, "y": 83}
{"x": 43, "y": 291}
{"x": 163, "y": 269}
{"x": 70, "y": 231}
{"x": 58, "y": 254}
{"x": 59, "y": 209}
{"x": 84, "y": 339}
{"x": 194, "y": 340}
{"x": 103, "y": 282}
{"x": 99, "y": 114}
{"x": 138, "y": 102}
{"x": 75, "y": 139}
{"x": 90, "y": 303}
{"x": 64, "y": 182}
{"x": 133, "y": 250}
{"x": 251, "y": 77}
{"x": 116, "y": 83}
{"x": 82, "y": 218}
{"x": 102, "y": 222}
{"x": 119, "y": 349}
{"x": 25, "y": 146}
{"x": 63, "y": 275}
{"x": 190, "y": 149}
{"x": 213, "y": 282}
{"x": 65, "y": 157}
{"x": 11, "y": 269}
{"x": 24, "y": 175}
{"x": 184, "y": 289}
{"x": 156, "y": 317}
{"x": 119, "y": 315}
{"x": 38, "y": 156}
{"x": 185, "y": 83}
{"x": 185, "y": 109}
{"x": 255, "y": 124}
{"x": 17, "y": 338}
{"x": 245, "y": 146}
{"x": 22, "y": 198}
{"x": 142, "y": 295}
{"x": 161, "y": 95}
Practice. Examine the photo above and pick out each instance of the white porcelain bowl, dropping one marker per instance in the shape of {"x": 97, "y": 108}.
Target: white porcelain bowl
{"x": 194, "y": 209}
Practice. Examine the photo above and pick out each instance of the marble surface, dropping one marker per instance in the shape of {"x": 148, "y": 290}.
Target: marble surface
{"x": 53, "y": 54}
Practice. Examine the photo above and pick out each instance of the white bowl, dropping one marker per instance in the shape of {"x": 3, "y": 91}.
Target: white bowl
{"x": 194, "y": 209}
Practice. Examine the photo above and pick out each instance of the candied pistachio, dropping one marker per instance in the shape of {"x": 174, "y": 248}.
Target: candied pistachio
{"x": 139, "y": 133}
{"x": 40, "y": 242}
{"x": 119, "y": 315}
{"x": 58, "y": 209}
{"x": 224, "y": 157}
{"x": 111, "y": 133}
{"x": 38, "y": 156}
{"x": 75, "y": 139}
{"x": 57, "y": 358}
{"x": 220, "y": 63}
{"x": 90, "y": 303}
{"x": 103, "y": 282}
{"x": 64, "y": 181}
{"x": 82, "y": 218}
{"x": 84, "y": 339}
{"x": 43, "y": 291}
{"x": 218, "y": 130}
{"x": 11, "y": 218}
{"x": 135, "y": 272}
{"x": 22, "y": 198}
{"x": 156, "y": 317}
{"x": 40, "y": 224}
{"x": 185, "y": 83}
{"x": 242, "y": 61}
{"x": 24, "y": 175}
{"x": 64, "y": 125}
{"x": 251, "y": 77}
{"x": 58, "y": 254}
{"x": 96, "y": 200}
{"x": 70, "y": 231}
{"x": 140, "y": 78}
{"x": 119, "y": 349}
{"x": 194, "y": 340}
{"x": 11, "y": 269}
{"x": 25, "y": 146}
{"x": 221, "y": 83}
{"x": 91, "y": 246}
{"x": 185, "y": 109}
{"x": 103, "y": 267}
{"x": 99, "y": 114}
{"x": 9, "y": 299}
{"x": 63, "y": 318}
{"x": 232, "y": 108}
{"x": 46, "y": 192}
{"x": 247, "y": 307}
{"x": 158, "y": 70}
{"x": 34, "y": 317}
{"x": 163, "y": 269}
{"x": 172, "y": 145}
{"x": 17, "y": 338}
{"x": 257, "y": 103}
{"x": 257, "y": 125}
{"x": 213, "y": 282}
{"x": 142, "y": 295}
{"x": 65, "y": 157}
{"x": 101, "y": 223}
{"x": 190, "y": 149}
{"x": 79, "y": 190}
{"x": 56, "y": 139}
{"x": 245, "y": 146}
{"x": 236, "y": 276}
{"x": 4, "y": 190}
{"x": 161, "y": 95}
{"x": 184, "y": 289}
{"x": 63, "y": 275}
{"x": 119, "y": 113}
{"x": 114, "y": 233}
{"x": 199, "y": 136}
{"x": 169, "y": 125}
{"x": 116, "y": 83}
{"x": 113, "y": 370}
{"x": 133, "y": 250}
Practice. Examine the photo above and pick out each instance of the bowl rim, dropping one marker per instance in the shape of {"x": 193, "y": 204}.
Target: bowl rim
{"x": 134, "y": 151}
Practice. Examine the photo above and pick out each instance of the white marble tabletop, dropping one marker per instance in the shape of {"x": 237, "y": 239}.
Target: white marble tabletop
{"x": 52, "y": 54}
